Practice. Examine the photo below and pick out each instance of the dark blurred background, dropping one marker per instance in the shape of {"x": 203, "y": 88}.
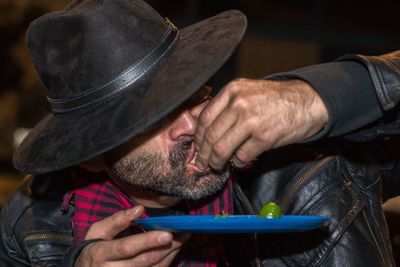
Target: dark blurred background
{"x": 282, "y": 35}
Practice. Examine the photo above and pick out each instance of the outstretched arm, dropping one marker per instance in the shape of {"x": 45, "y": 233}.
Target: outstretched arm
{"x": 249, "y": 117}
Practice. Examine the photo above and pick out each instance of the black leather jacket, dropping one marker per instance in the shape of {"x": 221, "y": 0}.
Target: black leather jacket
{"x": 301, "y": 179}
{"x": 341, "y": 180}
{"x": 385, "y": 74}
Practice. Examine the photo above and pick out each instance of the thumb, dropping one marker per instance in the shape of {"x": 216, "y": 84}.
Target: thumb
{"x": 111, "y": 226}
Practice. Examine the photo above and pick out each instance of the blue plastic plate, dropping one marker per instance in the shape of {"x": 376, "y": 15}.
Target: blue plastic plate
{"x": 232, "y": 223}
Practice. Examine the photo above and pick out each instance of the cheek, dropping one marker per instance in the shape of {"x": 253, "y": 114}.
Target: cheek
{"x": 156, "y": 145}
{"x": 161, "y": 144}
{"x": 153, "y": 146}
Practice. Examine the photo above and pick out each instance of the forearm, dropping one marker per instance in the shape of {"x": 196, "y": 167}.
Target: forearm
{"x": 347, "y": 91}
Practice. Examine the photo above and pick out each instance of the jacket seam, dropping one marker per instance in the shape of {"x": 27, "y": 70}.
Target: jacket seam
{"x": 387, "y": 100}
{"x": 351, "y": 215}
{"x": 373, "y": 236}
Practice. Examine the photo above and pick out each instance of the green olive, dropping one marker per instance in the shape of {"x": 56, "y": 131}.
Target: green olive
{"x": 270, "y": 210}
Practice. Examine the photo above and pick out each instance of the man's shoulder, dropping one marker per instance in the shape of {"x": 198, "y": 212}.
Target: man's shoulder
{"x": 39, "y": 198}
{"x": 34, "y": 224}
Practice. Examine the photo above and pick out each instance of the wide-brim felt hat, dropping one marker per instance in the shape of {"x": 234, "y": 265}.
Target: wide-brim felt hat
{"x": 112, "y": 69}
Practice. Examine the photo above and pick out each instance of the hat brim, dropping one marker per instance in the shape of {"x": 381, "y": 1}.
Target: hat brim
{"x": 62, "y": 140}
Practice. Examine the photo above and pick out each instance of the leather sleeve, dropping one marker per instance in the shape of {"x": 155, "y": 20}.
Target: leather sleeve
{"x": 35, "y": 229}
{"x": 8, "y": 253}
{"x": 385, "y": 74}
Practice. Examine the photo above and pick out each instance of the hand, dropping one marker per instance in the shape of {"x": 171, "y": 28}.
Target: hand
{"x": 249, "y": 117}
{"x": 144, "y": 249}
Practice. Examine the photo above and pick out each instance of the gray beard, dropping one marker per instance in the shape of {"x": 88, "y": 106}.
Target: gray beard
{"x": 169, "y": 177}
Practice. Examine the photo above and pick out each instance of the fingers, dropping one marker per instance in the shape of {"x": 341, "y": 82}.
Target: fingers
{"x": 168, "y": 252}
{"x": 212, "y": 152}
{"x": 222, "y": 150}
{"x": 247, "y": 146}
{"x": 249, "y": 117}
{"x": 155, "y": 257}
{"x": 145, "y": 249}
{"x": 122, "y": 253}
{"x": 248, "y": 152}
{"x": 238, "y": 145}
{"x": 137, "y": 244}
{"x": 111, "y": 226}
{"x": 208, "y": 116}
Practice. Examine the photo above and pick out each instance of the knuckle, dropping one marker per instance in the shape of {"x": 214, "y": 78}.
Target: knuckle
{"x": 242, "y": 155}
{"x": 204, "y": 117}
{"x": 96, "y": 232}
{"x": 220, "y": 151}
{"x": 123, "y": 248}
{"x": 96, "y": 225}
{"x": 153, "y": 256}
{"x": 236, "y": 84}
{"x": 238, "y": 80}
{"x": 116, "y": 217}
{"x": 253, "y": 124}
{"x": 240, "y": 103}
{"x": 266, "y": 137}
{"x": 210, "y": 135}
{"x": 95, "y": 256}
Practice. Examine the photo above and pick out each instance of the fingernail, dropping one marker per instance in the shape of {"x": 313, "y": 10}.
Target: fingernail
{"x": 164, "y": 238}
{"x": 133, "y": 210}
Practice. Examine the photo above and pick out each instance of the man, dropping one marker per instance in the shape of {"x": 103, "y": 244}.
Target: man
{"x": 124, "y": 84}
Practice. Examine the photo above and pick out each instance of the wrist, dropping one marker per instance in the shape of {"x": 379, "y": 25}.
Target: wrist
{"x": 317, "y": 109}
{"x": 315, "y": 112}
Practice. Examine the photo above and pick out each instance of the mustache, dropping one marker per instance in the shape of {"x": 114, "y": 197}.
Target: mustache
{"x": 180, "y": 151}
{"x": 185, "y": 144}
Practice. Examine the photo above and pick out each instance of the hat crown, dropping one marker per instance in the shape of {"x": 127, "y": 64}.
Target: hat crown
{"x": 91, "y": 42}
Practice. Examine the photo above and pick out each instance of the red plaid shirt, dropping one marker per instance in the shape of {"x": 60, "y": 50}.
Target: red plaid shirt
{"x": 97, "y": 197}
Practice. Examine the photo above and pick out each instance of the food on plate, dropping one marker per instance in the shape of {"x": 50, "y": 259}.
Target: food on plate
{"x": 270, "y": 210}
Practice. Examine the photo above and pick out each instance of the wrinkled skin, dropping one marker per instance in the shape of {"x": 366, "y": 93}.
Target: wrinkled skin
{"x": 154, "y": 248}
{"x": 245, "y": 119}
{"x": 249, "y": 117}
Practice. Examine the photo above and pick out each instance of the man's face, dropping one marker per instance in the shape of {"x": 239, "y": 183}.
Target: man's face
{"x": 162, "y": 162}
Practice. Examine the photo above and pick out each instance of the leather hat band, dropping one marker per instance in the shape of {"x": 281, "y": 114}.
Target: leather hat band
{"x": 123, "y": 81}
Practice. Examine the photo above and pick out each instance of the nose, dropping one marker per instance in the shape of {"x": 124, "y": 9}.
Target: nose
{"x": 184, "y": 125}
